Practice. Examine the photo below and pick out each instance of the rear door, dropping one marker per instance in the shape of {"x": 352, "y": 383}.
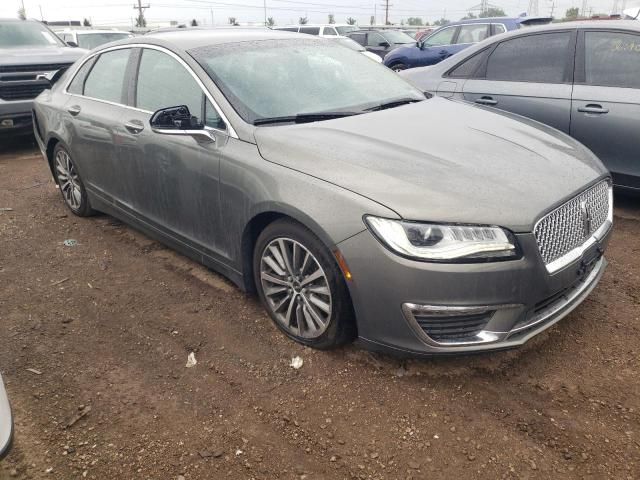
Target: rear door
{"x": 606, "y": 101}
{"x": 95, "y": 107}
{"x": 530, "y": 75}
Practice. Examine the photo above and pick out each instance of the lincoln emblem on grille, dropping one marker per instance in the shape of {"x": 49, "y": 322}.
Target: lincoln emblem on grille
{"x": 586, "y": 218}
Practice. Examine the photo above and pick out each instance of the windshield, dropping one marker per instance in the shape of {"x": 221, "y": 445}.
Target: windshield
{"x": 395, "y": 36}
{"x": 24, "y": 34}
{"x": 349, "y": 43}
{"x": 279, "y": 78}
{"x": 343, "y": 30}
{"x": 93, "y": 40}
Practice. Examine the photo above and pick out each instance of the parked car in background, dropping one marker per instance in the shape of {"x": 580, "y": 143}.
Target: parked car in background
{"x": 321, "y": 30}
{"x": 420, "y": 34}
{"x": 6, "y": 422}
{"x": 580, "y": 77}
{"x": 453, "y": 38}
{"x": 353, "y": 45}
{"x": 89, "y": 38}
{"x": 352, "y": 204}
{"x": 31, "y": 56}
{"x": 380, "y": 41}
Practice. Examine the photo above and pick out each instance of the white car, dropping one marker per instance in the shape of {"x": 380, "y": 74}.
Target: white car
{"x": 90, "y": 38}
{"x": 320, "y": 30}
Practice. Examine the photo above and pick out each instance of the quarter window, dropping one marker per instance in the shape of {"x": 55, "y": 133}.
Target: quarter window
{"x": 532, "y": 58}
{"x": 612, "y": 59}
{"x": 78, "y": 81}
{"x": 467, "y": 68}
{"x": 472, "y": 33}
{"x": 498, "y": 28}
{"x": 106, "y": 79}
{"x": 443, "y": 37}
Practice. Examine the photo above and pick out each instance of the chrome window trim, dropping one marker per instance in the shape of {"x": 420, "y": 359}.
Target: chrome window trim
{"x": 230, "y": 131}
{"x": 575, "y": 254}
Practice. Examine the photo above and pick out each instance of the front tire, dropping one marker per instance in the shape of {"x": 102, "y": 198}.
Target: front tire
{"x": 398, "y": 67}
{"x": 302, "y": 287}
{"x": 71, "y": 187}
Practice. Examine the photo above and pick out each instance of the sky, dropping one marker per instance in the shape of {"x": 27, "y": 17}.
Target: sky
{"x": 121, "y": 12}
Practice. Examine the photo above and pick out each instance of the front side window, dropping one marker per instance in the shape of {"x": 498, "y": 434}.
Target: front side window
{"x": 532, "y": 58}
{"x": 361, "y": 38}
{"x": 329, "y": 31}
{"x": 375, "y": 40}
{"x": 472, "y": 33}
{"x": 93, "y": 40}
{"x": 26, "y": 34}
{"x": 443, "y": 37}
{"x": 310, "y": 30}
{"x": 345, "y": 29}
{"x": 612, "y": 59}
{"x": 106, "y": 79}
{"x": 398, "y": 37}
{"x": 163, "y": 82}
{"x": 278, "y": 78}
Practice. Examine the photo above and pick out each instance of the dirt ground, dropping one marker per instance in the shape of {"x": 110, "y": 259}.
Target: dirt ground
{"x": 102, "y": 331}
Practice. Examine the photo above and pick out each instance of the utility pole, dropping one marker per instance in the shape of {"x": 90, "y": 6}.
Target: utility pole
{"x": 41, "y": 16}
{"x": 141, "y": 8}
{"x": 584, "y": 8}
{"x": 386, "y": 6}
{"x": 614, "y": 9}
{"x": 534, "y": 9}
{"x": 553, "y": 8}
{"x": 211, "y": 9}
{"x": 265, "y": 12}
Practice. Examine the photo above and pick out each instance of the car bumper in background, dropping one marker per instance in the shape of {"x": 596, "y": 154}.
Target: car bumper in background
{"x": 15, "y": 116}
{"x": 6, "y": 422}
{"x": 412, "y": 307}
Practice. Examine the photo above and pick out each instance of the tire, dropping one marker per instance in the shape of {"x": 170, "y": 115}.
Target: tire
{"x": 398, "y": 67}
{"x": 71, "y": 187}
{"x": 298, "y": 303}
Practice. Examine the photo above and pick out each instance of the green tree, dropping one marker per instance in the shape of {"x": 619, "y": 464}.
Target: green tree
{"x": 415, "y": 21}
{"x": 332, "y": 18}
{"x": 441, "y": 22}
{"x": 270, "y": 22}
{"x": 351, "y": 21}
{"x": 233, "y": 21}
{"x": 572, "y": 13}
{"x": 492, "y": 12}
{"x": 22, "y": 14}
{"x": 141, "y": 22}
{"x": 372, "y": 20}
{"x": 303, "y": 20}
{"x": 86, "y": 22}
{"x": 469, "y": 16}
{"x": 194, "y": 23}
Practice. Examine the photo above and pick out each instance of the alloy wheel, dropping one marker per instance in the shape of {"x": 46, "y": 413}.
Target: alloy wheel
{"x": 296, "y": 288}
{"x": 68, "y": 180}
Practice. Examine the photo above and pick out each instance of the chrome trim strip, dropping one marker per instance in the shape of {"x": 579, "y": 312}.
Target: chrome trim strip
{"x": 230, "y": 130}
{"x": 575, "y": 254}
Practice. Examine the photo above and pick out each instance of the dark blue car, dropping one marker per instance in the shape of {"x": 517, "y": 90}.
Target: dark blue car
{"x": 452, "y": 38}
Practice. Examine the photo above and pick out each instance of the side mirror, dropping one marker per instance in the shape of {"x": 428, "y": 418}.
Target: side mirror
{"x": 384, "y": 44}
{"x": 72, "y": 44}
{"x": 179, "y": 121}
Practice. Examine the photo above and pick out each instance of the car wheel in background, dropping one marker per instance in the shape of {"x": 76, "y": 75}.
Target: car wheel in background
{"x": 70, "y": 183}
{"x": 302, "y": 287}
{"x": 398, "y": 67}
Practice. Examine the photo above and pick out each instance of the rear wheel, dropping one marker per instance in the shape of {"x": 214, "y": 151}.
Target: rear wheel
{"x": 70, "y": 183}
{"x": 302, "y": 287}
{"x": 398, "y": 67}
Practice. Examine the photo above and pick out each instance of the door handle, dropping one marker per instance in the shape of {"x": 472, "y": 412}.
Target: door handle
{"x": 486, "y": 101}
{"x": 74, "y": 110}
{"x": 593, "y": 108}
{"x": 134, "y": 126}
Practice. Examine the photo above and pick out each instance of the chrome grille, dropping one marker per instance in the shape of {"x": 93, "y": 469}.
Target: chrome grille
{"x": 573, "y": 223}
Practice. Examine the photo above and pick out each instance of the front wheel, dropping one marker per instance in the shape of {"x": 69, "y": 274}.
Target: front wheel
{"x": 302, "y": 287}
{"x": 398, "y": 67}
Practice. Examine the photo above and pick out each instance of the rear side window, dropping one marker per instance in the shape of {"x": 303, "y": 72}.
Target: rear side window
{"x": 310, "y": 30}
{"x": 498, "y": 28}
{"x": 472, "y": 33}
{"x": 329, "y": 31}
{"x": 106, "y": 79}
{"x": 612, "y": 59}
{"x": 533, "y": 58}
{"x": 163, "y": 82}
{"x": 77, "y": 84}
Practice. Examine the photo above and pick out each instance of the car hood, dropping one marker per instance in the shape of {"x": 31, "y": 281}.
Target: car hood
{"x": 33, "y": 56}
{"x": 441, "y": 161}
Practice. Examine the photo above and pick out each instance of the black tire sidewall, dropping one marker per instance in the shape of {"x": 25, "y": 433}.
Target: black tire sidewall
{"x": 399, "y": 66}
{"x": 85, "y": 209}
{"x": 341, "y": 327}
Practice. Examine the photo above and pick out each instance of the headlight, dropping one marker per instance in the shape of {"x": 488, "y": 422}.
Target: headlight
{"x": 444, "y": 243}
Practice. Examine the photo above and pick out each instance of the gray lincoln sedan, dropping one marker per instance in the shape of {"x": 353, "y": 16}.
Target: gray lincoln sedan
{"x": 353, "y": 205}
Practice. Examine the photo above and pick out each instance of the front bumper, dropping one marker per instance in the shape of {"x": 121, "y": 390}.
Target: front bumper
{"x": 421, "y": 308}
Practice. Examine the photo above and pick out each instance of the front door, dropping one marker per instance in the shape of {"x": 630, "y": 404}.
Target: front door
{"x": 173, "y": 180}
{"x": 529, "y": 75}
{"x": 606, "y": 101}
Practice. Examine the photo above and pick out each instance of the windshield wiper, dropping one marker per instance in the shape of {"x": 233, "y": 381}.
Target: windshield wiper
{"x": 394, "y": 103}
{"x": 304, "y": 117}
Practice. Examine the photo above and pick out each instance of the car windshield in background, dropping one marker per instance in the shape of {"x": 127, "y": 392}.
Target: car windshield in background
{"x": 343, "y": 30}
{"x": 395, "y": 36}
{"x": 287, "y": 78}
{"x": 349, "y": 43}
{"x": 93, "y": 40}
{"x": 26, "y": 34}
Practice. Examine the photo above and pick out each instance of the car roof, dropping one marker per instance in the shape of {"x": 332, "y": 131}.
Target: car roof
{"x": 195, "y": 37}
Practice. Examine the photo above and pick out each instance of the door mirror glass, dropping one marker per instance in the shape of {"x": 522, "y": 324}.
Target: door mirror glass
{"x": 384, "y": 44}
{"x": 71, "y": 43}
{"x": 175, "y": 118}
